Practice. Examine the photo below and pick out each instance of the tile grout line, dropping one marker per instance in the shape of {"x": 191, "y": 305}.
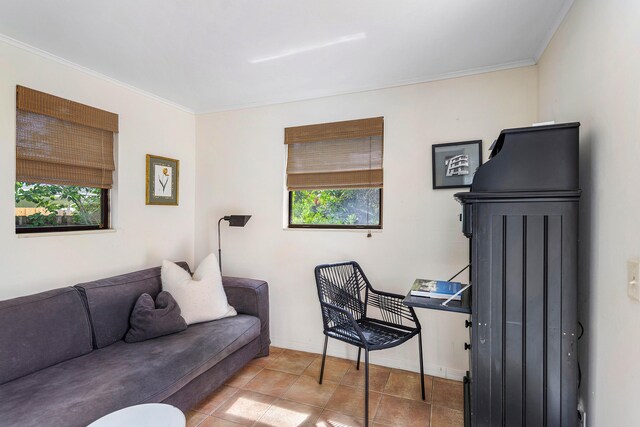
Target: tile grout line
{"x": 430, "y": 415}
{"x": 375, "y": 416}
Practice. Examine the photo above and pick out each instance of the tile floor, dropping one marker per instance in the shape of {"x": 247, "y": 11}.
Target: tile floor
{"x": 282, "y": 390}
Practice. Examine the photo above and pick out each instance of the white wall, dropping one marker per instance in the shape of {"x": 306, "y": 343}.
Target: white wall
{"x": 144, "y": 234}
{"x": 240, "y": 170}
{"x": 590, "y": 73}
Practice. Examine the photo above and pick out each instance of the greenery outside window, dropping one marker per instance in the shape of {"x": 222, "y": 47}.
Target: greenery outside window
{"x": 348, "y": 208}
{"x": 60, "y": 207}
{"x": 64, "y": 163}
{"x": 334, "y": 174}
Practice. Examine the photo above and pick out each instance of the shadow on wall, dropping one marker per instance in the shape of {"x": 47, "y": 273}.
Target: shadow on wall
{"x": 586, "y": 258}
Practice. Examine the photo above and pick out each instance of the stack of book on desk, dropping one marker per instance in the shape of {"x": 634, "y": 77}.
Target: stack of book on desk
{"x": 436, "y": 289}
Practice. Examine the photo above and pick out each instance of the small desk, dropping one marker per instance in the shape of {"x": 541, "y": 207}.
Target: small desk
{"x": 462, "y": 306}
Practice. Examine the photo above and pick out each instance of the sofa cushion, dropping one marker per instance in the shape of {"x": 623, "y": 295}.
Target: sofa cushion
{"x": 110, "y": 301}
{"x": 81, "y": 390}
{"x": 151, "y": 319}
{"x": 201, "y": 297}
{"x": 41, "y": 330}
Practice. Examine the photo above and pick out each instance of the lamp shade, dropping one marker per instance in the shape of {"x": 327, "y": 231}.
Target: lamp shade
{"x": 237, "y": 220}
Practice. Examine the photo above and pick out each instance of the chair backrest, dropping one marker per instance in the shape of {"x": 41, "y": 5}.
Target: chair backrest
{"x": 343, "y": 285}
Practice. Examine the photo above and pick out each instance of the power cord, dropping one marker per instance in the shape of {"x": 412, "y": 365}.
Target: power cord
{"x": 458, "y": 273}
{"x": 580, "y": 370}
{"x": 581, "y": 329}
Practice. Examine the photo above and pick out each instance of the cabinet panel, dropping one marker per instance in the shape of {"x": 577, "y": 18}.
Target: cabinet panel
{"x": 569, "y": 314}
{"x": 523, "y": 303}
{"x": 554, "y": 322}
{"x": 511, "y": 260}
{"x": 533, "y": 315}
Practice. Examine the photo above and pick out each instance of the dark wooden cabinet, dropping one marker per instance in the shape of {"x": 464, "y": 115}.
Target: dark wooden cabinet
{"x": 521, "y": 216}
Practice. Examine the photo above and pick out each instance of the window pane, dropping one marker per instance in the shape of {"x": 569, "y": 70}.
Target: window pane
{"x": 352, "y": 207}
{"x": 44, "y": 205}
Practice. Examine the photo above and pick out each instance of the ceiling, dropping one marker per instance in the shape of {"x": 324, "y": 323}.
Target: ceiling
{"x": 212, "y": 55}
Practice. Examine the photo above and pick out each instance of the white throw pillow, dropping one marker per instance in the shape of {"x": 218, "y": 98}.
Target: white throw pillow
{"x": 201, "y": 298}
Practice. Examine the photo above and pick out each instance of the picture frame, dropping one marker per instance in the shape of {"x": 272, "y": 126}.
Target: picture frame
{"x": 162, "y": 181}
{"x": 454, "y": 164}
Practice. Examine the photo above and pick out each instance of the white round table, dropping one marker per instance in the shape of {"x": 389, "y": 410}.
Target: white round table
{"x": 146, "y": 415}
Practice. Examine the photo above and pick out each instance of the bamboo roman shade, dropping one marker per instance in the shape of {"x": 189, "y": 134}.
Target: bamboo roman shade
{"x": 335, "y": 155}
{"x": 63, "y": 142}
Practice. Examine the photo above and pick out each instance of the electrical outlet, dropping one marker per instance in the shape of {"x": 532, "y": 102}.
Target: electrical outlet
{"x": 633, "y": 279}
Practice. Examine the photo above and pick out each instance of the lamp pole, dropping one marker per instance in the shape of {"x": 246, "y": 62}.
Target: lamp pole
{"x": 219, "y": 250}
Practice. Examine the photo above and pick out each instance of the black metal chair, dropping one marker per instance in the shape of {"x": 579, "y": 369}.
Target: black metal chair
{"x": 355, "y": 313}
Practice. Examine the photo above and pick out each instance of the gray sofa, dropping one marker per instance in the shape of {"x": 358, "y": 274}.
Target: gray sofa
{"x": 63, "y": 361}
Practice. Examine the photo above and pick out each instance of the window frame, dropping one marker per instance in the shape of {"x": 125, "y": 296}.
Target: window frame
{"x": 104, "y": 220}
{"x": 334, "y": 226}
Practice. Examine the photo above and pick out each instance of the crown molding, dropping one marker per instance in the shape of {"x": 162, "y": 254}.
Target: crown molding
{"x": 426, "y": 79}
{"x": 34, "y": 50}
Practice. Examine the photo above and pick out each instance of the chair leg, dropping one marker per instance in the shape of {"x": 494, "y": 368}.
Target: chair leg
{"x": 421, "y": 364}
{"x": 358, "y": 362}
{"x": 366, "y": 388}
{"x": 324, "y": 355}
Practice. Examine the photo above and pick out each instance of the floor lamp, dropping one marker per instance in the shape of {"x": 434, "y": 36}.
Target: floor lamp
{"x": 234, "y": 221}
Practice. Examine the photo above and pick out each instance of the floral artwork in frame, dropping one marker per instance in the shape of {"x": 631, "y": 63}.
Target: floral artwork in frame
{"x": 162, "y": 180}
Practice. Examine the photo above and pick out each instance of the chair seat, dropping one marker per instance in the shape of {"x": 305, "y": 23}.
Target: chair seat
{"x": 378, "y": 335}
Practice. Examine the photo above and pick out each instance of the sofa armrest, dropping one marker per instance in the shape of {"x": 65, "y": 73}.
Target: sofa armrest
{"x": 250, "y": 296}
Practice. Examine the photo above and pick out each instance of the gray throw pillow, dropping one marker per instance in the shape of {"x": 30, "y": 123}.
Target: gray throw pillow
{"x": 150, "y": 320}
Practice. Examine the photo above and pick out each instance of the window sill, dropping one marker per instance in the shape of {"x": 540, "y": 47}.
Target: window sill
{"x": 64, "y": 233}
{"x": 341, "y": 230}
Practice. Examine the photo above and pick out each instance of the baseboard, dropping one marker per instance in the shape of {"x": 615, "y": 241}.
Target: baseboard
{"x": 345, "y": 351}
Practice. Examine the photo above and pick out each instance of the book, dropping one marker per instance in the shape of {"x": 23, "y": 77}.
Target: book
{"x": 439, "y": 289}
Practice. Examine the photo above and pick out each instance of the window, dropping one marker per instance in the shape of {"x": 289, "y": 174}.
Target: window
{"x": 334, "y": 174}
{"x": 64, "y": 163}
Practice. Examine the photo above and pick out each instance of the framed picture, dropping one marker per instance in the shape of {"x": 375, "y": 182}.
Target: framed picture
{"x": 162, "y": 180}
{"x": 454, "y": 164}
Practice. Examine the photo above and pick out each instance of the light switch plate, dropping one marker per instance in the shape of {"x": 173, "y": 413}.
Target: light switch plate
{"x": 633, "y": 279}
